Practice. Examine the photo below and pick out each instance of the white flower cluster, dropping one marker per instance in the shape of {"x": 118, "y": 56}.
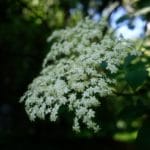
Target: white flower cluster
{"x": 73, "y": 74}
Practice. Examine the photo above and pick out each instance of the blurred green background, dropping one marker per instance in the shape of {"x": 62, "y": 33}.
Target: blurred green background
{"x": 24, "y": 28}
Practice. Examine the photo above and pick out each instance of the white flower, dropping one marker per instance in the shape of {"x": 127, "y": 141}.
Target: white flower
{"x": 72, "y": 74}
{"x": 76, "y": 126}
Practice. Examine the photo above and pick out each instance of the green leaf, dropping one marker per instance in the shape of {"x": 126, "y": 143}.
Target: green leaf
{"x": 128, "y": 60}
{"x": 136, "y": 74}
{"x": 125, "y": 136}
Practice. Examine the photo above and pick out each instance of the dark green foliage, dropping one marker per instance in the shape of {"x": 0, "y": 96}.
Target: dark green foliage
{"x": 143, "y": 139}
{"x": 136, "y": 74}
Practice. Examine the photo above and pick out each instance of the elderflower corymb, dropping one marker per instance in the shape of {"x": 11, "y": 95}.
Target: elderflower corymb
{"x": 73, "y": 76}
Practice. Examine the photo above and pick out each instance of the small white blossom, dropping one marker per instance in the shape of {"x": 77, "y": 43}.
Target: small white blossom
{"x": 76, "y": 125}
{"x": 72, "y": 74}
{"x": 54, "y": 112}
